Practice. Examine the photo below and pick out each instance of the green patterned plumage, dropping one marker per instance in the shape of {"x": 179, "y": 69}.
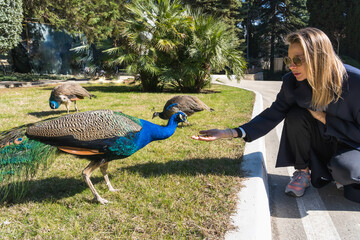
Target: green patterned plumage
{"x": 20, "y": 160}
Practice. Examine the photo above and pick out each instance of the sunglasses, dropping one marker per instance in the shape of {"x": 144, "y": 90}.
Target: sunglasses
{"x": 296, "y": 60}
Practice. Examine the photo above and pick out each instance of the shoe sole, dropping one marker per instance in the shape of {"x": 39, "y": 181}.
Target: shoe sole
{"x": 292, "y": 194}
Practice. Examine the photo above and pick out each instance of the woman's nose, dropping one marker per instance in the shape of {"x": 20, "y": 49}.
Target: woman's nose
{"x": 292, "y": 65}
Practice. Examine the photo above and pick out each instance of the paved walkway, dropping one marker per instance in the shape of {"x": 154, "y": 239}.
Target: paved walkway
{"x": 253, "y": 212}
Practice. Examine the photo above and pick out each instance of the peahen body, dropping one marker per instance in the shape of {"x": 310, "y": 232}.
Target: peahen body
{"x": 101, "y": 136}
{"x": 67, "y": 93}
{"x": 186, "y": 103}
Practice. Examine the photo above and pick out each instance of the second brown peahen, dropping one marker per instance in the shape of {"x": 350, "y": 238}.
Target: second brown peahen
{"x": 186, "y": 103}
{"x": 101, "y": 136}
{"x": 67, "y": 93}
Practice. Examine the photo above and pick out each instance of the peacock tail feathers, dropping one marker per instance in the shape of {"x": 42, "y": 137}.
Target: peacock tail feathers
{"x": 20, "y": 159}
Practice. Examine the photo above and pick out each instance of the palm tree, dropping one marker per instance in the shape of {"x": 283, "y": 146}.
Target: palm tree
{"x": 167, "y": 43}
{"x": 211, "y": 47}
{"x": 154, "y": 30}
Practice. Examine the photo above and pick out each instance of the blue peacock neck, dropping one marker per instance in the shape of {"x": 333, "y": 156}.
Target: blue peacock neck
{"x": 124, "y": 147}
{"x": 156, "y": 132}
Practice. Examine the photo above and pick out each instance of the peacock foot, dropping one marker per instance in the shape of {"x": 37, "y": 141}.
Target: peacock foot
{"x": 113, "y": 190}
{"x": 100, "y": 200}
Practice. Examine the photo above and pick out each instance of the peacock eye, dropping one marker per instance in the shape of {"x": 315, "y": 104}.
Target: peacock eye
{"x": 18, "y": 141}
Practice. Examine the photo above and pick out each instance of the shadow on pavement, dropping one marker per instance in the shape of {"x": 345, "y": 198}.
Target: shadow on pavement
{"x": 332, "y": 198}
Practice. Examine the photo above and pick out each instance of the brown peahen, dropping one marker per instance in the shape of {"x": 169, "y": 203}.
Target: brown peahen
{"x": 185, "y": 103}
{"x": 67, "y": 93}
{"x": 101, "y": 136}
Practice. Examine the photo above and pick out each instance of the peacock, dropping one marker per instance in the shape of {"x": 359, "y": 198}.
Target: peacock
{"x": 100, "y": 136}
{"x": 186, "y": 103}
{"x": 67, "y": 93}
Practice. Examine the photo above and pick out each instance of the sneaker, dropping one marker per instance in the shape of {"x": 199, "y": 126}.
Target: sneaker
{"x": 299, "y": 182}
{"x": 339, "y": 186}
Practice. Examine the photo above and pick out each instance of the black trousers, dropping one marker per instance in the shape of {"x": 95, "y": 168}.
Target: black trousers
{"x": 327, "y": 158}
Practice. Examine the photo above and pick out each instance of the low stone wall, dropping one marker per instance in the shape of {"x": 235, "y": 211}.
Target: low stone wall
{"x": 255, "y": 76}
{"x": 259, "y": 76}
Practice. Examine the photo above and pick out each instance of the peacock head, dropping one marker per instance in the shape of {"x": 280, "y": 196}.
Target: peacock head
{"x": 180, "y": 117}
{"x": 53, "y": 104}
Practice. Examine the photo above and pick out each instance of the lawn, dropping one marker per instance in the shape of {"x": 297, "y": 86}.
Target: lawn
{"x": 177, "y": 188}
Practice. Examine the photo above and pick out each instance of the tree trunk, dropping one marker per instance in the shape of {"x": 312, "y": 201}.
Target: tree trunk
{"x": 272, "y": 53}
{"x": 149, "y": 82}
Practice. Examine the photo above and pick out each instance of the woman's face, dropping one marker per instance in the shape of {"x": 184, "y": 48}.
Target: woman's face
{"x": 295, "y": 50}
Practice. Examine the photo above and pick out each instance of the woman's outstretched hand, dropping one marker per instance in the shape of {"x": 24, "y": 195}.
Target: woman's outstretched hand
{"x": 209, "y": 135}
{"x": 214, "y": 134}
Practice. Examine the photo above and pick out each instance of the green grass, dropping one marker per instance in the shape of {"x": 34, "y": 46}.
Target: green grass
{"x": 177, "y": 188}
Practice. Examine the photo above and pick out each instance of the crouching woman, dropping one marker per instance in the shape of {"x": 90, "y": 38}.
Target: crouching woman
{"x": 320, "y": 103}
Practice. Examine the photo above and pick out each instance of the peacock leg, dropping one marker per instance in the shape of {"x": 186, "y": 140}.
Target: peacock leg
{"x": 77, "y": 110}
{"x": 86, "y": 173}
{"x": 67, "y": 107}
{"x": 103, "y": 169}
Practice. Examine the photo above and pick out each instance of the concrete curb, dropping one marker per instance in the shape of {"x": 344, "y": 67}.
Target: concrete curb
{"x": 252, "y": 217}
{"x": 14, "y": 84}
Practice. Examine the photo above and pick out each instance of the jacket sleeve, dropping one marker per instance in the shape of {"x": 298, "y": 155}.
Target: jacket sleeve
{"x": 270, "y": 117}
{"x": 343, "y": 122}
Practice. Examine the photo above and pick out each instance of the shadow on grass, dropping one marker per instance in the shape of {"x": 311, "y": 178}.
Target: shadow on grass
{"x": 111, "y": 88}
{"x": 56, "y": 188}
{"x": 107, "y": 87}
{"x": 53, "y": 188}
{"x": 48, "y": 113}
{"x": 213, "y": 166}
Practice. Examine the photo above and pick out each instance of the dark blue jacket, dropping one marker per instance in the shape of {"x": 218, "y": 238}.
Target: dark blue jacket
{"x": 342, "y": 117}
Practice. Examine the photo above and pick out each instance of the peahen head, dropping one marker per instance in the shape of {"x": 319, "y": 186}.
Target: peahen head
{"x": 156, "y": 114}
{"x": 172, "y": 108}
{"x": 53, "y": 104}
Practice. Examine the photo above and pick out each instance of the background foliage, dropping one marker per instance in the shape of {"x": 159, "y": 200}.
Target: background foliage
{"x": 10, "y": 24}
{"x": 340, "y": 20}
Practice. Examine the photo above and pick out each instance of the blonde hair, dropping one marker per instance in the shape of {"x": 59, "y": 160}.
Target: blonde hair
{"x": 325, "y": 71}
